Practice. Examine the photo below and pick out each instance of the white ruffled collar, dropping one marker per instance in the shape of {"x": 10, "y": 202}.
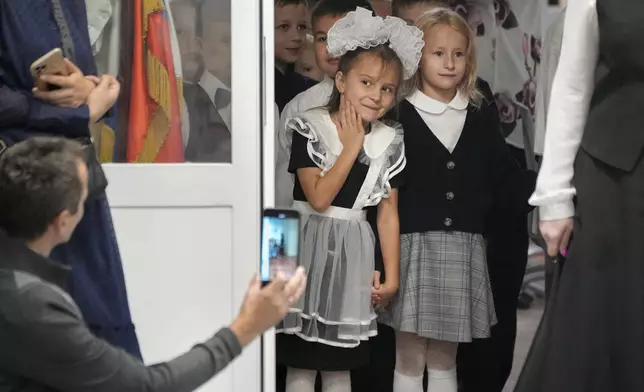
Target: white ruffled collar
{"x": 431, "y": 105}
{"x": 376, "y": 142}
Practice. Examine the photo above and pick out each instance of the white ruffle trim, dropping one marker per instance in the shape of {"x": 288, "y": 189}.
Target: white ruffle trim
{"x": 318, "y": 151}
{"x": 395, "y": 162}
{"x": 321, "y": 155}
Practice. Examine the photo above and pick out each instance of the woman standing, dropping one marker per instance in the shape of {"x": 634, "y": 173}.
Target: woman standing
{"x": 28, "y": 30}
{"x": 595, "y": 133}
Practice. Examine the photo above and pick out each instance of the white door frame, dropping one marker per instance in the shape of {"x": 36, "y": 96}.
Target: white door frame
{"x": 269, "y": 142}
{"x": 235, "y": 186}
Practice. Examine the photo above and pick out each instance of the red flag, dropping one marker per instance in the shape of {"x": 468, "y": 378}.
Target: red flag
{"x": 154, "y": 126}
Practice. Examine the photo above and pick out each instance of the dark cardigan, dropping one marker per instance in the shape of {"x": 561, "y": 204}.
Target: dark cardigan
{"x": 458, "y": 190}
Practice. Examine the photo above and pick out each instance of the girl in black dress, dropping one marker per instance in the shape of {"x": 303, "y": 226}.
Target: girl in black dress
{"x": 345, "y": 160}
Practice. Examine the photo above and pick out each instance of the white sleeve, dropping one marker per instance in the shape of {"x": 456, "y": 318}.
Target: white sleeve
{"x": 572, "y": 91}
{"x": 550, "y": 54}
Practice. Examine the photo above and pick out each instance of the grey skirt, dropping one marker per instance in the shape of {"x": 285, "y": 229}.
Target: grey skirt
{"x": 445, "y": 291}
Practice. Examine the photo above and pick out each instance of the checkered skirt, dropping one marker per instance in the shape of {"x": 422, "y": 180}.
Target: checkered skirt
{"x": 445, "y": 291}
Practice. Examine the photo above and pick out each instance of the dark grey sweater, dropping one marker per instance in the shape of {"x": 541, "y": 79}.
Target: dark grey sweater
{"x": 45, "y": 345}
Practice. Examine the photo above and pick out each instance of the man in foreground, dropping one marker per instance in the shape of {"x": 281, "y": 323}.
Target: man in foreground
{"x": 46, "y": 345}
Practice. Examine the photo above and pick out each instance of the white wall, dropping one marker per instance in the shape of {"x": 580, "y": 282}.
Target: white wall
{"x": 188, "y": 253}
{"x": 178, "y": 272}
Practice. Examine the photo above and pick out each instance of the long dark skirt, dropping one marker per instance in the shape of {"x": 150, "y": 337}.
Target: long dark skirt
{"x": 96, "y": 282}
{"x": 598, "y": 329}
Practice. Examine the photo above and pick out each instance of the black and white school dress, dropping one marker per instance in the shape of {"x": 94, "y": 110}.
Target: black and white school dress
{"x": 329, "y": 327}
{"x": 458, "y": 164}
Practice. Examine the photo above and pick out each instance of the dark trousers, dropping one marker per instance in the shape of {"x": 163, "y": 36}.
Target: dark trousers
{"x": 485, "y": 364}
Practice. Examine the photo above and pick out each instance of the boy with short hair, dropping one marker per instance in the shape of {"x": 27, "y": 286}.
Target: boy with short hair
{"x": 323, "y": 17}
{"x": 291, "y": 25}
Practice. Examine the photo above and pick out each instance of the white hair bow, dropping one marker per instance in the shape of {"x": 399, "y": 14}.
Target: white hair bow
{"x": 360, "y": 28}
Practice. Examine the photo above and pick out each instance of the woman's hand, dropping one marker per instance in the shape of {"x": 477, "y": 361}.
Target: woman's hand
{"x": 557, "y": 234}
{"x": 72, "y": 91}
{"x": 103, "y": 97}
{"x": 351, "y": 131}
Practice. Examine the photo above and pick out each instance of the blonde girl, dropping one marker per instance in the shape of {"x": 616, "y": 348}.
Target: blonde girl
{"x": 458, "y": 167}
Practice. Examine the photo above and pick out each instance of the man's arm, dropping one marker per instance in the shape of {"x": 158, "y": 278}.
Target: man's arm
{"x": 47, "y": 342}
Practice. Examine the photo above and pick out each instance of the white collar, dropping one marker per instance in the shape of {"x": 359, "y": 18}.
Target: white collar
{"x": 326, "y": 80}
{"x": 431, "y": 105}
{"x": 210, "y": 83}
{"x": 322, "y": 91}
{"x": 375, "y": 144}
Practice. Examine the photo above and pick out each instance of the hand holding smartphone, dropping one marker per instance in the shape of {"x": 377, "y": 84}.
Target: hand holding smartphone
{"x": 52, "y": 63}
{"x": 280, "y": 243}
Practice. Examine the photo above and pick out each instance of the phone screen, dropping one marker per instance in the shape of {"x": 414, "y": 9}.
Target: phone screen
{"x": 280, "y": 243}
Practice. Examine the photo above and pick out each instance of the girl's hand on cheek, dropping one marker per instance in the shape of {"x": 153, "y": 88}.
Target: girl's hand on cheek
{"x": 352, "y": 132}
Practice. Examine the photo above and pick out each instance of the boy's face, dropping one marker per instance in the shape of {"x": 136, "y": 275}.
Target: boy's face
{"x": 307, "y": 66}
{"x": 321, "y": 27}
{"x": 184, "y": 17}
{"x": 217, "y": 49}
{"x": 410, "y": 13}
{"x": 290, "y": 32}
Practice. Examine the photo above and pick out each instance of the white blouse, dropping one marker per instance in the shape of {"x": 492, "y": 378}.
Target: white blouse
{"x": 572, "y": 91}
{"x": 445, "y": 120}
{"x": 550, "y": 53}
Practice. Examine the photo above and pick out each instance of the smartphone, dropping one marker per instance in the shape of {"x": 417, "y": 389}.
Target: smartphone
{"x": 280, "y": 249}
{"x": 52, "y": 63}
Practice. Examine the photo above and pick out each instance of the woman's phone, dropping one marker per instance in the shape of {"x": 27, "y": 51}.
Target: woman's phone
{"x": 52, "y": 63}
{"x": 280, "y": 243}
